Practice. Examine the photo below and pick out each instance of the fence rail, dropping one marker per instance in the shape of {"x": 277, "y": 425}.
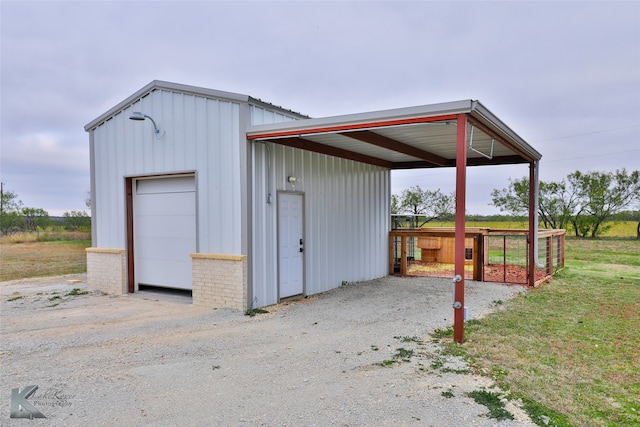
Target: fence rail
{"x": 491, "y": 255}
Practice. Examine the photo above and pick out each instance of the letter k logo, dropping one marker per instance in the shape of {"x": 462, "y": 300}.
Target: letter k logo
{"x": 19, "y": 399}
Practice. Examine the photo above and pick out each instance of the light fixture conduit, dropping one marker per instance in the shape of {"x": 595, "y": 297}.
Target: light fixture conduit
{"x": 138, "y": 116}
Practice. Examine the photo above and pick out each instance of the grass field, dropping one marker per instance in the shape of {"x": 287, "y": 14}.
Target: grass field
{"x": 570, "y": 350}
{"x": 24, "y": 256}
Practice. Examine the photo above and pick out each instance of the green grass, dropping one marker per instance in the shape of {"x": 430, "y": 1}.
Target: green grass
{"x": 492, "y": 400}
{"x": 75, "y": 292}
{"x": 570, "y": 350}
{"x": 254, "y": 311}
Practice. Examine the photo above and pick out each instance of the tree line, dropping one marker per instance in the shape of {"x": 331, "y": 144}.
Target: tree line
{"x": 585, "y": 203}
{"x": 14, "y": 217}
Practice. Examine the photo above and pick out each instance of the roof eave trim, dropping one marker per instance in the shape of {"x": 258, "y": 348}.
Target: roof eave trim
{"x": 344, "y": 128}
{"x": 169, "y": 86}
{"x": 361, "y": 120}
{"x": 484, "y": 115}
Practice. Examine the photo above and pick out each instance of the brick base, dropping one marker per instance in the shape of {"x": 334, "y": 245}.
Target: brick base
{"x": 219, "y": 280}
{"x": 107, "y": 270}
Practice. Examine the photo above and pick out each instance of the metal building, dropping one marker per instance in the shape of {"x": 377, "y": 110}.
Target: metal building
{"x": 183, "y": 200}
{"x": 246, "y": 203}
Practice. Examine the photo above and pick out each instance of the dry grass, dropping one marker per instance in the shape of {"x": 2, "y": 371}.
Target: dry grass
{"x": 22, "y": 256}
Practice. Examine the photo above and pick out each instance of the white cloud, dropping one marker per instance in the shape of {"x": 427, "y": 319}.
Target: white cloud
{"x": 39, "y": 150}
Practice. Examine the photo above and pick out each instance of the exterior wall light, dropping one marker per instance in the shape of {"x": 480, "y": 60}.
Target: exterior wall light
{"x": 138, "y": 116}
{"x": 292, "y": 180}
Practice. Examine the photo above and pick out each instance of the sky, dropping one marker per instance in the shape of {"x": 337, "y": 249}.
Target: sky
{"x": 565, "y": 76}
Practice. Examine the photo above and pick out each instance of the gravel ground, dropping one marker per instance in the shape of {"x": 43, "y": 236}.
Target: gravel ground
{"x": 154, "y": 359}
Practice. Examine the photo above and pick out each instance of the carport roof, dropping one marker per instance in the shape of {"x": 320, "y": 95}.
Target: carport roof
{"x": 413, "y": 137}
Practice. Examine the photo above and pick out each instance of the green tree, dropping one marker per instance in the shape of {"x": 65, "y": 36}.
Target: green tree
{"x": 602, "y": 196}
{"x": 35, "y": 218}
{"x": 427, "y": 204}
{"x": 395, "y": 205}
{"x": 556, "y": 201}
{"x": 514, "y": 199}
{"x": 586, "y": 201}
{"x": 10, "y": 206}
{"x": 76, "y": 220}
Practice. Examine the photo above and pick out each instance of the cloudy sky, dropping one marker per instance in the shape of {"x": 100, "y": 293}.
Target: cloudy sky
{"x": 564, "y": 75}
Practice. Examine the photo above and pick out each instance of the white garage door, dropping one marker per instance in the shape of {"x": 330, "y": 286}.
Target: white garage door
{"x": 165, "y": 231}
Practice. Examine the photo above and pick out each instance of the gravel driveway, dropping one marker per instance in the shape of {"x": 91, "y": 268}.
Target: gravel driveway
{"x": 154, "y": 359}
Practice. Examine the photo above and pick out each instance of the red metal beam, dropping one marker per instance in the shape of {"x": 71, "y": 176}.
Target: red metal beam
{"x": 531, "y": 273}
{"x": 131, "y": 282}
{"x": 474, "y": 161}
{"x": 305, "y": 144}
{"x": 391, "y": 144}
{"x": 461, "y": 190}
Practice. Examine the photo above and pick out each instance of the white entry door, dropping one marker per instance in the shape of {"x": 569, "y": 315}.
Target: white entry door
{"x": 290, "y": 244}
{"x": 165, "y": 231}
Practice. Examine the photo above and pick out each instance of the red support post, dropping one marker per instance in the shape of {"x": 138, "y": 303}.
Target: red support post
{"x": 531, "y": 273}
{"x": 461, "y": 190}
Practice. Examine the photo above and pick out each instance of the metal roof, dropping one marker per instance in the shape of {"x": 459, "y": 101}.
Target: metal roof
{"x": 181, "y": 88}
{"x": 413, "y": 137}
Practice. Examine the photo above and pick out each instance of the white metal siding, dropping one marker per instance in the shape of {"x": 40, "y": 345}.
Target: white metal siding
{"x": 261, "y": 116}
{"x": 346, "y": 219}
{"x": 201, "y": 135}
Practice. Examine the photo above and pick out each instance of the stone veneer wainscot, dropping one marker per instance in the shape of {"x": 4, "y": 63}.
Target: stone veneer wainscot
{"x": 107, "y": 270}
{"x": 219, "y": 280}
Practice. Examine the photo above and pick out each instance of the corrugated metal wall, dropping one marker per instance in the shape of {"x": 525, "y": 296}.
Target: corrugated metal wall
{"x": 346, "y": 218}
{"x": 201, "y": 135}
{"x": 262, "y": 116}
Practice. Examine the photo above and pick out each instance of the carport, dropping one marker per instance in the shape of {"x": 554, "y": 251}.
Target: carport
{"x": 455, "y": 134}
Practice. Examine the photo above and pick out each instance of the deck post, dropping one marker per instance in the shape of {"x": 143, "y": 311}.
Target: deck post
{"x": 403, "y": 255}
{"x": 478, "y": 261}
{"x": 392, "y": 254}
{"x": 461, "y": 188}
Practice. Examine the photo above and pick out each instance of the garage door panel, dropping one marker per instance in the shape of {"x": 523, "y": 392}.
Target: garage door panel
{"x": 174, "y": 184}
{"x": 164, "y": 273}
{"x": 167, "y": 227}
{"x": 165, "y": 204}
{"x": 165, "y": 248}
{"x": 165, "y": 231}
